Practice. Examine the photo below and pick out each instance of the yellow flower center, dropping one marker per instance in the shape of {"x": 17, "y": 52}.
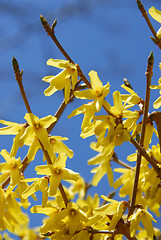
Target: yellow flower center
{"x": 70, "y": 70}
{"x": 99, "y": 93}
{"x": 57, "y": 170}
{"x": 73, "y": 212}
{"x": 37, "y": 125}
{"x": 52, "y": 141}
{"x": 13, "y": 164}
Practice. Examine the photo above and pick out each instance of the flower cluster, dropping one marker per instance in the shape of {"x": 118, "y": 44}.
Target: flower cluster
{"x": 71, "y": 212}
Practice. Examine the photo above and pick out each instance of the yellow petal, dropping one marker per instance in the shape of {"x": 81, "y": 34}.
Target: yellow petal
{"x": 47, "y": 121}
{"x": 157, "y": 103}
{"x": 31, "y": 118}
{"x": 68, "y": 174}
{"x": 48, "y": 78}
{"x": 54, "y": 183}
{"x": 35, "y": 145}
{"x": 134, "y": 226}
{"x": 147, "y": 225}
{"x": 67, "y": 92}
{"x": 50, "y": 90}
{"x": 61, "y": 147}
{"x": 95, "y": 81}
{"x": 155, "y": 14}
{"x": 10, "y": 130}
{"x": 99, "y": 173}
{"x": 29, "y": 134}
{"x": 159, "y": 33}
{"x": 61, "y": 80}
{"x": 74, "y": 78}
{"x": 5, "y": 155}
{"x": 132, "y": 157}
{"x": 42, "y": 135}
{"x": 44, "y": 210}
{"x": 85, "y": 94}
{"x": 117, "y": 101}
{"x": 2, "y": 202}
{"x": 34, "y": 187}
{"x": 59, "y": 63}
{"x": 109, "y": 199}
{"x": 43, "y": 169}
{"x": 16, "y": 145}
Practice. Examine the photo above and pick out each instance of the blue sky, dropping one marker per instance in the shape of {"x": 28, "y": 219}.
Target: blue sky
{"x": 110, "y": 37}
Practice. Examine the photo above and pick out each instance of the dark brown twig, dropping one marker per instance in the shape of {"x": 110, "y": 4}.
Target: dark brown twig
{"x": 156, "y": 40}
{"x": 148, "y": 74}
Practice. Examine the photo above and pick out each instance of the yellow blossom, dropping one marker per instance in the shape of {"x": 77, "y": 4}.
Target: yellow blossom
{"x": 37, "y": 185}
{"x": 37, "y": 128}
{"x": 89, "y": 204}
{"x": 103, "y": 168}
{"x": 10, "y": 212}
{"x": 61, "y": 80}
{"x": 155, "y": 152}
{"x": 98, "y": 92}
{"x": 78, "y": 187}
{"x": 88, "y": 110}
{"x": 11, "y": 166}
{"x": 13, "y": 129}
{"x": 126, "y": 180}
{"x": 57, "y": 146}
{"x": 145, "y": 217}
{"x": 114, "y": 208}
{"x": 57, "y": 172}
{"x": 75, "y": 217}
{"x": 130, "y": 99}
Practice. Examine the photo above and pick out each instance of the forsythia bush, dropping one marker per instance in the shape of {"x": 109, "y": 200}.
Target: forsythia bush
{"x": 71, "y": 213}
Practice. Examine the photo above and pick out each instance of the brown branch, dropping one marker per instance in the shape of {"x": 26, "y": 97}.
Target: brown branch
{"x": 148, "y": 74}
{"x": 156, "y": 40}
{"x": 25, "y": 163}
{"x": 115, "y": 159}
{"x": 51, "y": 33}
{"x": 18, "y": 76}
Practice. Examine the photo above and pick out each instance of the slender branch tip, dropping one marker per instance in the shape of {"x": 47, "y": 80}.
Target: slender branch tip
{"x": 44, "y": 21}
{"x": 54, "y": 24}
{"x": 151, "y": 58}
{"x": 15, "y": 64}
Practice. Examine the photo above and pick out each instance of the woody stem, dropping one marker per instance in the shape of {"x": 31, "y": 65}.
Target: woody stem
{"x": 148, "y": 74}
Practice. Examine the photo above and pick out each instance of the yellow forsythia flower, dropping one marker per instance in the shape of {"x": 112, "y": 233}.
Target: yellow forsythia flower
{"x": 57, "y": 172}
{"x": 61, "y": 80}
{"x": 37, "y": 128}
{"x": 98, "y": 92}
{"x": 12, "y": 166}
{"x": 145, "y": 217}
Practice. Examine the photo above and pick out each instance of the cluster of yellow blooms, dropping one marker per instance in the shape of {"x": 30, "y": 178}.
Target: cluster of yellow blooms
{"x": 71, "y": 213}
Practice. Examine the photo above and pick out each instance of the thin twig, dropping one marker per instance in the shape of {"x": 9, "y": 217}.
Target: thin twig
{"x": 18, "y": 76}
{"x": 146, "y": 156}
{"x": 51, "y": 33}
{"x": 59, "y": 112}
{"x": 156, "y": 40}
{"x": 148, "y": 74}
{"x": 115, "y": 159}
